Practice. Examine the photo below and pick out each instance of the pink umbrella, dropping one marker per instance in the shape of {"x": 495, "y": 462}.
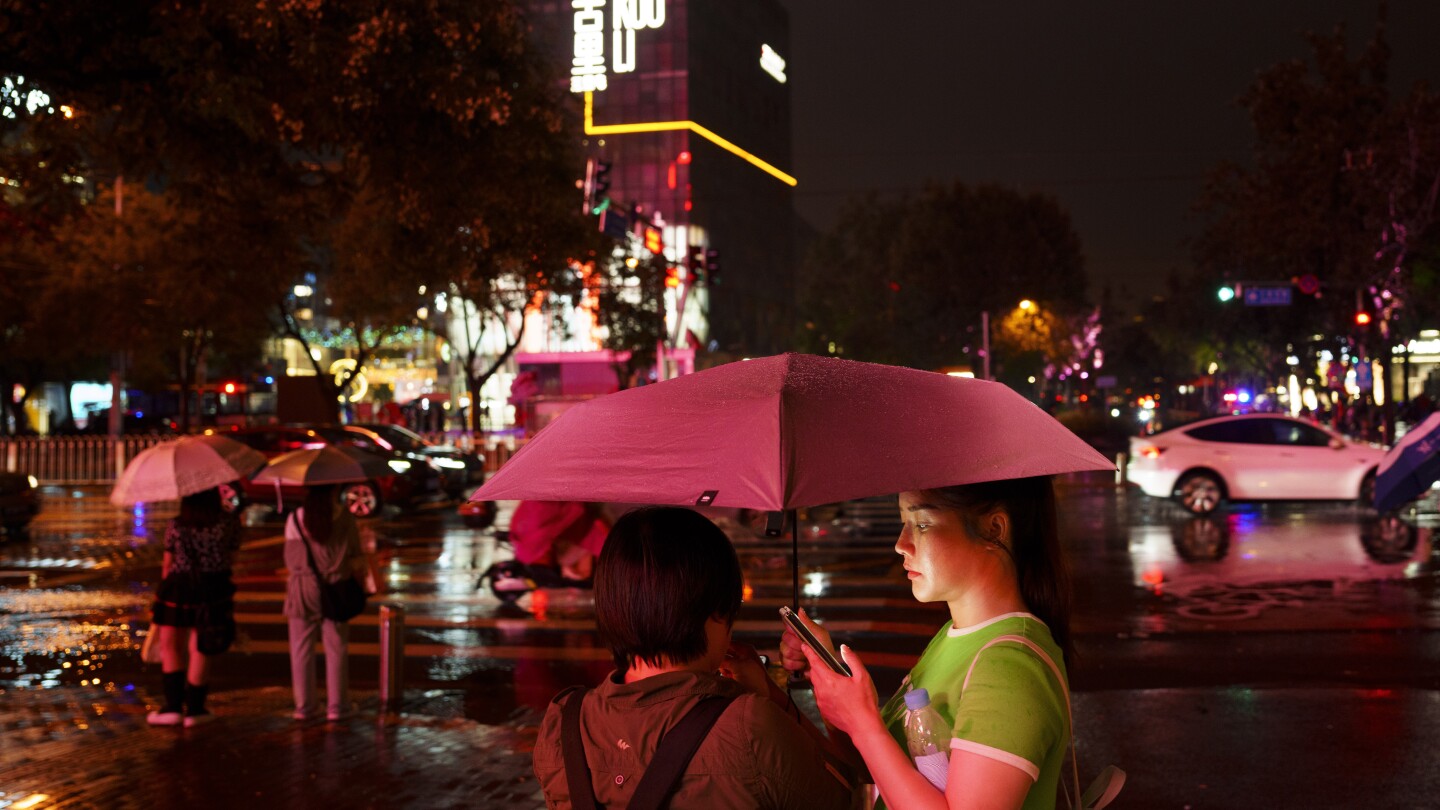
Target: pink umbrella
{"x": 173, "y": 469}
{"x": 786, "y": 432}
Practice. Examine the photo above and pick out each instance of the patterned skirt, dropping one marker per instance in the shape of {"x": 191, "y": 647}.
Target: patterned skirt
{"x": 181, "y": 592}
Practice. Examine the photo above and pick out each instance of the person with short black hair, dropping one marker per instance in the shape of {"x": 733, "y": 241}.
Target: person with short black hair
{"x": 667, "y": 590}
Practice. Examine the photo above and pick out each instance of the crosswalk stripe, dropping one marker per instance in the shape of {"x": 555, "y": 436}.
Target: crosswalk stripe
{"x": 520, "y": 652}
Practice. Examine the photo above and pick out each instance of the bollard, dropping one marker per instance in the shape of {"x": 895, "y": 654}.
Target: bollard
{"x": 1122, "y": 460}
{"x": 392, "y": 656}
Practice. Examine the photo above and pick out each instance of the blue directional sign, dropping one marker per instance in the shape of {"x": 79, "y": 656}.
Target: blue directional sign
{"x": 1260, "y": 296}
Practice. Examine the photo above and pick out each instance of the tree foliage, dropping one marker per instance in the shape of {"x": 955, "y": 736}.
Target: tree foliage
{"x": 1342, "y": 186}
{"x": 906, "y": 281}
{"x": 380, "y": 147}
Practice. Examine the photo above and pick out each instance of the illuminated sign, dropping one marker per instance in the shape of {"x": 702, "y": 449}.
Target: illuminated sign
{"x": 592, "y": 128}
{"x": 773, "y": 63}
{"x": 587, "y": 67}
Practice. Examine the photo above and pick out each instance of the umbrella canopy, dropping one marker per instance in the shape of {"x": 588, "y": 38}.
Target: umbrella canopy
{"x": 173, "y": 469}
{"x": 787, "y": 432}
{"x": 330, "y": 464}
{"x": 1410, "y": 467}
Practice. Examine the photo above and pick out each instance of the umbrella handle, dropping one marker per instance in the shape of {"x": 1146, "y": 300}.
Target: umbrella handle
{"x": 794, "y": 556}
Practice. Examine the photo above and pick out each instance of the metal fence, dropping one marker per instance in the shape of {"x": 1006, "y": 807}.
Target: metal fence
{"x": 99, "y": 459}
{"x": 72, "y": 459}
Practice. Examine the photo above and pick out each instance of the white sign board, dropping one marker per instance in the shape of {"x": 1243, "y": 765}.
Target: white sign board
{"x": 588, "y": 71}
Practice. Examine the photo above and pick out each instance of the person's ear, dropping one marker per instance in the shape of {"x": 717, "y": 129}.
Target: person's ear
{"x": 997, "y": 528}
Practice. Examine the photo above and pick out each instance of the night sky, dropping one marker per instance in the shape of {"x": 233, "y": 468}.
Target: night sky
{"x": 1116, "y": 108}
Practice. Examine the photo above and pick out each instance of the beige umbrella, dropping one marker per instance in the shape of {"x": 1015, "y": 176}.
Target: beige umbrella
{"x": 330, "y": 464}
{"x": 171, "y": 470}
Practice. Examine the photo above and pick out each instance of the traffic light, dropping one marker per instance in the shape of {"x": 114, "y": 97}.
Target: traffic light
{"x": 596, "y": 185}
{"x": 601, "y": 189}
{"x": 695, "y": 262}
{"x": 672, "y": 275}
{"x": 1362, "y": 318}
{"x": 1225, "y": 293}
{"x": 653, "y": 240}
{"x": 229, "y": 388}
{"x": 712, "y": 266}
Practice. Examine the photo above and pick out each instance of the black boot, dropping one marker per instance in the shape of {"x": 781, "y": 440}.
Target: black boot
{"x": 195, "y": 711}
{"x": 171, "y": 713}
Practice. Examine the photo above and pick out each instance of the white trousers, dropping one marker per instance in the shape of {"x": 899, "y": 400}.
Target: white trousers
{"x": 336, "y": 636}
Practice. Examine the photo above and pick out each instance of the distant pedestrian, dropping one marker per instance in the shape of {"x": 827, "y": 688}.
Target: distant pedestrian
{"x": 195, "y": 588}
{"x": 324, "y": 530}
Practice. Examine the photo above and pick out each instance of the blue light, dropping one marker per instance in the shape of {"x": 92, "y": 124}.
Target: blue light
{"x": 269, "y": 380}
{"x": 139, "y": 414}
{"x": 1244, "y": 395}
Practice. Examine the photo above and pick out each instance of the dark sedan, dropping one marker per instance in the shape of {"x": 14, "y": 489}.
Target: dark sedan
{"x": 19, "y": 501}
{"x": 461, "y": 471}
{"x": 415, "y": 478}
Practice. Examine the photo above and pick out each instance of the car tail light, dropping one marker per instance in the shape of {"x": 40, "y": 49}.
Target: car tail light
{"x": 1151, "y": 451}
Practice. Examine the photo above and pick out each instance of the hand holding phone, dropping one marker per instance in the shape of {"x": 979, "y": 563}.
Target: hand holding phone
{"x": 819, "y": 648}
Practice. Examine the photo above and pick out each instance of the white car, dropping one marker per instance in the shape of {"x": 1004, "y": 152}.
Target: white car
{"x": 1249, "y": 458}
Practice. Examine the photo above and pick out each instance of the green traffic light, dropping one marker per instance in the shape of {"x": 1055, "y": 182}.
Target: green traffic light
{"x": 1226, "y": 293}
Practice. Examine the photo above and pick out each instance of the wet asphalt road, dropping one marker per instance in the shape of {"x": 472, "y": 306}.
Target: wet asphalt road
{"x": 1311, "y": 626}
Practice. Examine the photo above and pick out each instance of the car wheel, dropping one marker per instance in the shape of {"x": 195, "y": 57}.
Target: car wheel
{"x": 1389, "y": 539}
{"x": 1200, "y": 493}
{"x": 363, "y": 500}
{"x": 1367, "y": 491}
{"x": 232, "y": 497}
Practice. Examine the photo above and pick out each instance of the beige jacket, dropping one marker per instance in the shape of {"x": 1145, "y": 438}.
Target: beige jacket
{"x": 754, "y": 756}
{"x": 334, "y": 558}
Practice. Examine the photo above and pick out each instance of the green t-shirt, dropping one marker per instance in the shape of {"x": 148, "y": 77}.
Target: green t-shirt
{"x": 1013, "y": 709}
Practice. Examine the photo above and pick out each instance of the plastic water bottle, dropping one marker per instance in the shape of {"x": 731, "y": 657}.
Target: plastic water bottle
{"x": 928, "y": 736}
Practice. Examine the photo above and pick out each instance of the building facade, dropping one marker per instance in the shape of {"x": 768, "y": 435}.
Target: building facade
{"x": 687, "y": 104}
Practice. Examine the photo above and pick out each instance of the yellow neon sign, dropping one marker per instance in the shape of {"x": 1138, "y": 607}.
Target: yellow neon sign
{"x": 674, "y": 126}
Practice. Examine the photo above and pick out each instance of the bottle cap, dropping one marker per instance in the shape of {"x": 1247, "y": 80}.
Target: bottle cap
{"x": 917, "y": 699}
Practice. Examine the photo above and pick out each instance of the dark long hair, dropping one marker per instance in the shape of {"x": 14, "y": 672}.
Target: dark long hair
{"x": 319, "y": 505}
{"x": 202, "y": 508}
{"x": 1040, "y": 564}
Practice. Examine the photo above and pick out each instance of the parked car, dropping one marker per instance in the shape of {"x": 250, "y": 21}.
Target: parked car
{"x": 1252, "y": 457}
{"x": 415, "y": 478}
{"x": 19, "y": 501}
{"x": 459, "y": 471}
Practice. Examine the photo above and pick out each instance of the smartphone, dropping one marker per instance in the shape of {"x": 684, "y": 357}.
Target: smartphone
{"x": 809, "y": 638}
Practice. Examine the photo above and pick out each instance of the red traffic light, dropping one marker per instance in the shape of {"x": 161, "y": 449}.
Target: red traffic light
{"x": 1362, "y": 319}
{"x": 229, "y": 388}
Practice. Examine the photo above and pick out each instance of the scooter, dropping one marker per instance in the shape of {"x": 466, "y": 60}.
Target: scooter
{"x": 512, "y": 579}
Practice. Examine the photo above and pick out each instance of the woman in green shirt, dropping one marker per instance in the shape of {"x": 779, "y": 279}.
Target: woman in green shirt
{"x": 990, "y": 552}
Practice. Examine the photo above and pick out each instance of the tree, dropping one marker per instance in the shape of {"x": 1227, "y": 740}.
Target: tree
{"x": 906, "y": 281}
{"x": 1343, "y": 187}
{"x": 629, "y": 307}
{"x": 384, "y": 147}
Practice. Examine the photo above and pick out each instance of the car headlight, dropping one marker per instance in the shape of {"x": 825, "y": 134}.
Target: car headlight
{"x": 399, "y": 465}
{"x": 448, "y": 463}
{"x": 34, "y": 482}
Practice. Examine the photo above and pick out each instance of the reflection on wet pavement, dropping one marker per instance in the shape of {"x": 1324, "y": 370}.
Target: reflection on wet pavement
{"x": 82, "y": 580}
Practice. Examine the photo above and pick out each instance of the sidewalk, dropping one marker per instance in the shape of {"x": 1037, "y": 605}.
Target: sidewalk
{"x": 1229, "y": 748}
{"x": 83, "y": 747}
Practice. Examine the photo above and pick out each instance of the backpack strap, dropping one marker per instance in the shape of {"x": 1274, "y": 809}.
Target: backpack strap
{"x": 577, "y": 770}
{"x": 1064, "y": 690}
{"x": 674, "y": 752}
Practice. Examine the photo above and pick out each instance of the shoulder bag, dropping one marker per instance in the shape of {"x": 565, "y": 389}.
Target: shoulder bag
{"x": 340, "y": 601}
